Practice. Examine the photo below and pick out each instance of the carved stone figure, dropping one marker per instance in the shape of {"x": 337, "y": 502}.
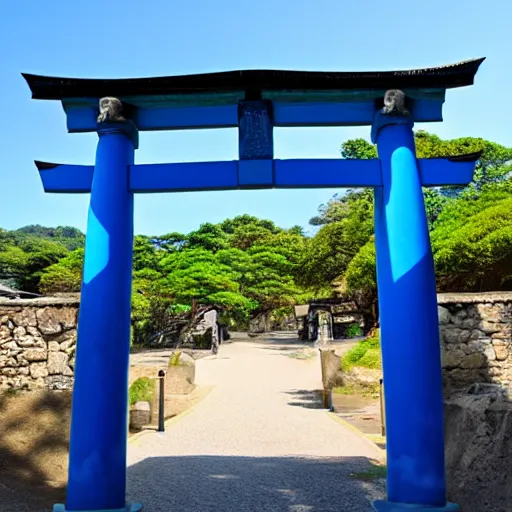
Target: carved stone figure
{"x": 110, "y": 110}
{"x": 394, "y": 103}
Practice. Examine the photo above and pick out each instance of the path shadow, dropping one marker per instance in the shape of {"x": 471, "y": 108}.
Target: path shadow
{"x": 282, "y": 348}
{"x": 306, "y": 398}
{"x": 253, "y": 484}
{"x": 276, "y": 338}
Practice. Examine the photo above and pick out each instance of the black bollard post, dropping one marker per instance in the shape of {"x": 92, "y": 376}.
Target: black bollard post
{"x": 382, "y": 409}
{"x": 161, "y": 402}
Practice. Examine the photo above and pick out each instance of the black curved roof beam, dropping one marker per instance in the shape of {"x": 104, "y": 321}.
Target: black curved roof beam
{"x": 443, "y": 77}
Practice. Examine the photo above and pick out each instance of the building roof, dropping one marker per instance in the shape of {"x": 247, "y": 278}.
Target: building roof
{"x": 301, "y": 310}
{"x": 253, "y": 82}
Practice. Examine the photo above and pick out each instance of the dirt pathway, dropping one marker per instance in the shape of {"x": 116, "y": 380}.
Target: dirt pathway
{"x": 258, "y": 442}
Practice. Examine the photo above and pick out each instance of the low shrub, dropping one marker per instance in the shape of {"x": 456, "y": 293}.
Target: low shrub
{"x": 354, "y": 331}
{"x": 142, "y": 390}
{"x": 175, "y": 358}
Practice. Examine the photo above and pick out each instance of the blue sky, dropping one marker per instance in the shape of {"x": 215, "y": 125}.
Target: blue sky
{"x": 129, "y": 38}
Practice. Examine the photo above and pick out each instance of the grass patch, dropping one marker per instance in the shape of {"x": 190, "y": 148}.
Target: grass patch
{"x": 366, "y": 354}
{"x": 376, "y": 472}
{"x": 367, "y": 390}
{"x": 348, "y": 389}
{"x": 142, "y": 390}
{"x": 371, "y": 359}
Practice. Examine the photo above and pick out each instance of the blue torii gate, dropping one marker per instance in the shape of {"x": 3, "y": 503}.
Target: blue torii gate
{"x": 255, "y": 102}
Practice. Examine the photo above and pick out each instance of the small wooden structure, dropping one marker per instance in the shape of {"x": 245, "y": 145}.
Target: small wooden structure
{"x": 323, "y": 320}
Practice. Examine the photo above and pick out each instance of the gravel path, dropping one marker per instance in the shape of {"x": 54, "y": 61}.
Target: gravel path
{"x": 259, "y": 442}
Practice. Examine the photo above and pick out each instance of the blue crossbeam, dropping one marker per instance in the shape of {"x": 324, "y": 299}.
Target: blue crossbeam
{"x": 64, "y": 178}
{"x": 436, "y": 172}
{"x": 327, "y": 173}
{"x": 81, "y": 117}
{"x": 250, "y": 174}
{"x": 183, "y": 177}
{"x": 348, "y": 113}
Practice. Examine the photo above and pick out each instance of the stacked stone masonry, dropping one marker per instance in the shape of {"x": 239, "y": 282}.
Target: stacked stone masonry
{"x": 476, "y": 338}
{"x": 38, "y": 339}
{"x": 37, "y": 343}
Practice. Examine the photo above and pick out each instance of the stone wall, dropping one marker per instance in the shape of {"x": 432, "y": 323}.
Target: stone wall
{"x": 37, "y": 343}
{"x": 476, "y": 338}
{"x": 37, "y": 340}
{"x": 266, "y": 322}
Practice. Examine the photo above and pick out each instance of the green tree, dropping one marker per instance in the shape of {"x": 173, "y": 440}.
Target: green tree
{"x": 434, "y": 204}
{"x": 289, "y": 244}
{"x": 144, "y": 253}
{"x": 36, "y": 263}
{"x": 170, "y": 242}
{"x": 209, "y": 237}
{"x": 469, "y": 228}
{"x": 358, "y": 149}
{"x": 229, "y": 226}
{"x": 24, "y": 255}
{"x": 63, "y": 276}
{"x": 13, "y": 263}
{"x": 245, "y": 230}
{"x": 494, "y": 166}
{"x": 360, "y": 280}
{"x": 330, "y": 251}
{"x": 198, "y": 274}
{"x": 269, "y": 279}
{"x": 472, "y": 241}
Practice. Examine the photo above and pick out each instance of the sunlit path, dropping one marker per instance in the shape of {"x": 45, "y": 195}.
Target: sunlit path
{"x": 257, "y": 442}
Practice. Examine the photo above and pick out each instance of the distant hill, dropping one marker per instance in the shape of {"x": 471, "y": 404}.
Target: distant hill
{"x": 72, "y": 238}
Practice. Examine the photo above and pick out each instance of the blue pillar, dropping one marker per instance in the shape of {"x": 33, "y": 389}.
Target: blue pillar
{"x": 97, "y": 459}
{"x": 408, "y": 327}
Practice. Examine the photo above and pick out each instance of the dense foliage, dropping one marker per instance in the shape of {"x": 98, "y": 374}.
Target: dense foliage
{"x": 24, "y": 255}
{"x": 243, "y": 265}
{"x": 247, "y": 265}
{"x": 141, "y": 390}
{"x": 470, "y": 227}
